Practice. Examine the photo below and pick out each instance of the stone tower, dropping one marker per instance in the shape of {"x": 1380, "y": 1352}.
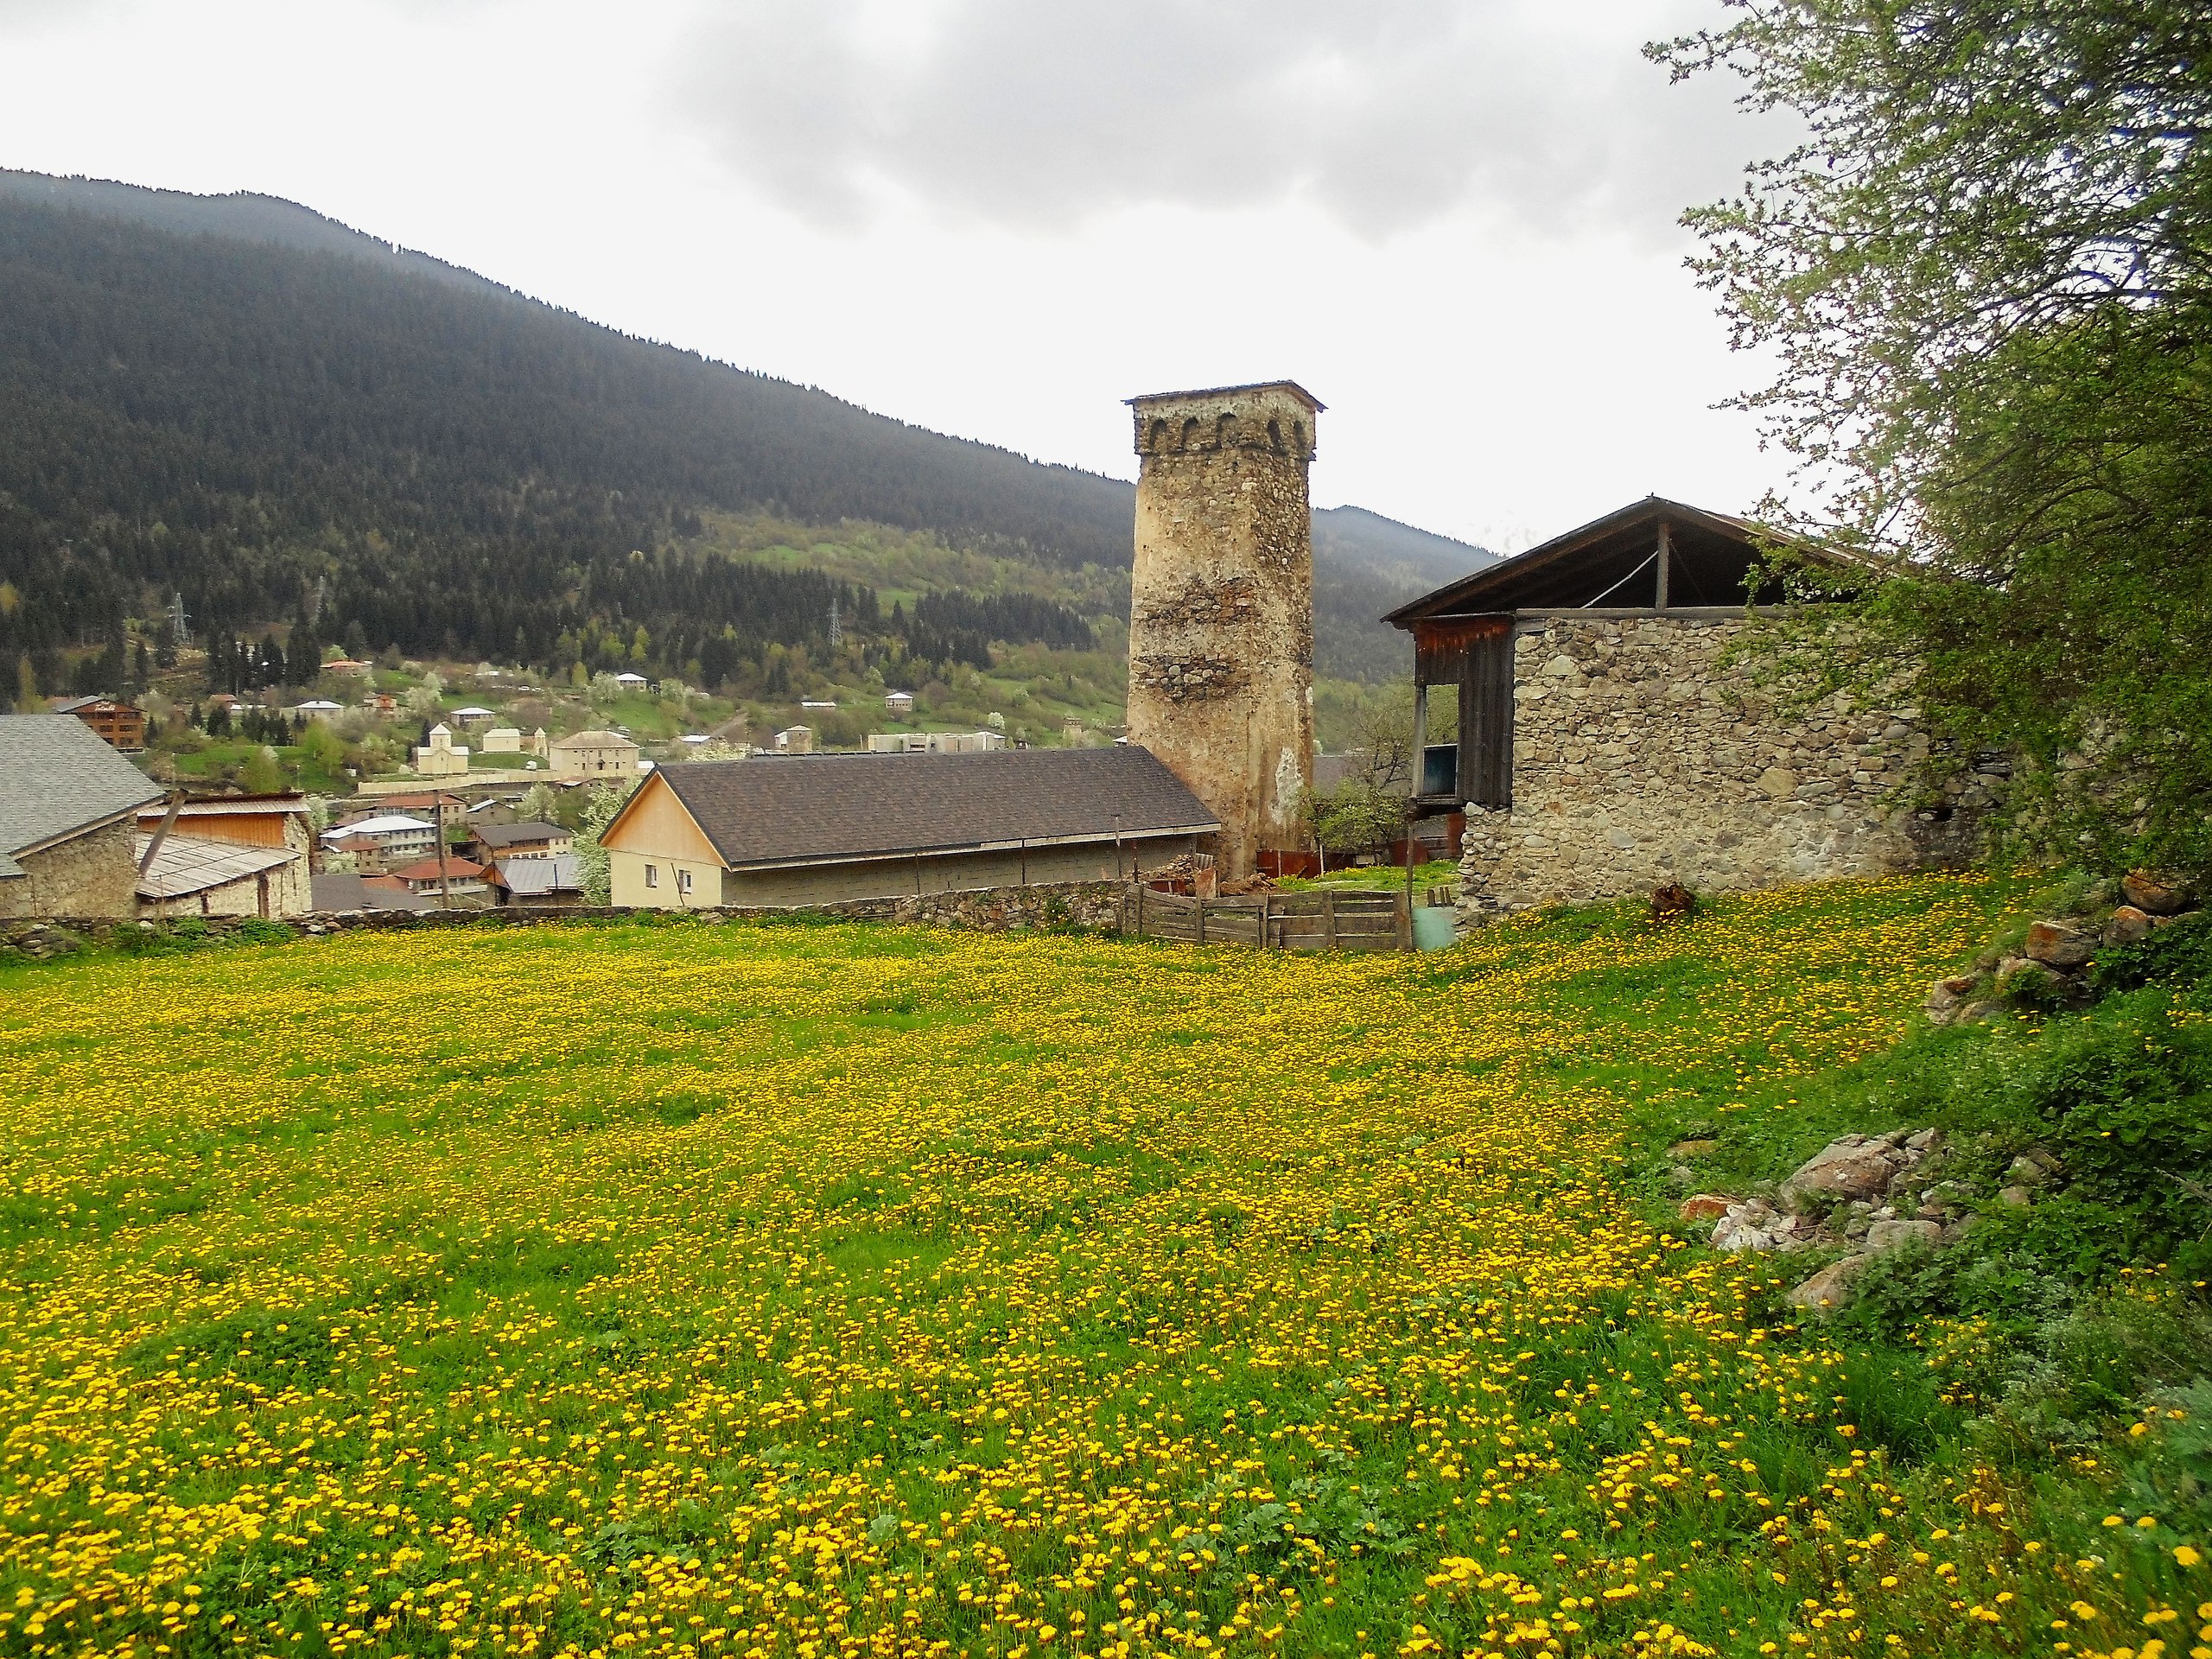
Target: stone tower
{"x": 1221, "y": 618}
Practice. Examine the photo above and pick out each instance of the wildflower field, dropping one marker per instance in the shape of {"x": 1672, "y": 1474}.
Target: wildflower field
{"x": 820, "y": 1291}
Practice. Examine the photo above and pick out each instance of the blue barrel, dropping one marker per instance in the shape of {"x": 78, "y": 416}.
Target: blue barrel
{"x": 1434, "y": 925}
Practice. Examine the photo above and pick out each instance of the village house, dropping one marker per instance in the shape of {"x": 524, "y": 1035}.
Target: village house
{"x": 384, "y": 842}
{"x": 319, "y": 708}
{"x": 450, "y": 810}
{"x": 509, "y": 740}
{"x": 228, "y": 855}
{"x": 935, "y": 742}
{"x": 794, "y": 740}
{"x": 825, "y": 827}
{"x": 502, "y": 841}
{"x": 899, "y": 704}
{"x": 350, "y": 895}
{"x": 68, "y": 803}
{"x": 463, "y": 878}
{"x": 120, "y": 725}
{"x": 1607, "y": 744}
{"x": 596, "y": 754}
{"x": 549, "y": 883}
{"x": 182, "y": 875}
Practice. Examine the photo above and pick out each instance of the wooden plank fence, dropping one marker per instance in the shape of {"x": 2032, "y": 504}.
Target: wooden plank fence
{"x": 1329, "y": 919}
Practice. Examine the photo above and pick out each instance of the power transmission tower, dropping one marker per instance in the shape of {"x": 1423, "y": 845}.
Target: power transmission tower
{"x": 836, "y": 628}
{"x": 177, "y": 630}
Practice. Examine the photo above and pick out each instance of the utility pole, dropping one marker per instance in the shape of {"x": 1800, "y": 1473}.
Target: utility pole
{"x": 438, "y": 817}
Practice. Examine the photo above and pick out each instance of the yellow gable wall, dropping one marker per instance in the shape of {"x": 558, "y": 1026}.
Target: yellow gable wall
{"x": 656, "y": 834}
{"x": 656, "y": 824}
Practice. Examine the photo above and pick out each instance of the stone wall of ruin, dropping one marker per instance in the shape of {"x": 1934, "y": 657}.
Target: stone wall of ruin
{"x": 1221, "y": 628}
{"x": 1641, "y": 759}
{"x": 93, "y": 874}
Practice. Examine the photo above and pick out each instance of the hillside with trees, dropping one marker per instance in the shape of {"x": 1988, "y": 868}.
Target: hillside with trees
{"x": 293, "y": 425}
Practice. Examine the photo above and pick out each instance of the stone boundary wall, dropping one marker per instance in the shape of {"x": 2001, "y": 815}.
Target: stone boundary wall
{"x": 1640, "y": 759}
{"x": 1090, "y": 906}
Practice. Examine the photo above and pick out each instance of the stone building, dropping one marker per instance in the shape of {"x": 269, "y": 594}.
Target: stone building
{"x": 1221, "y": 621}
{"x": 1607, "y": 747}
{"x": 68, "y": 805}
{"x": 228, "y": 855}
{"x": 595, "y": 754}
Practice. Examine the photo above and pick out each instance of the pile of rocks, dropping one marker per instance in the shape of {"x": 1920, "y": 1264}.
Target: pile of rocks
{"x": 2052, "y": 965}
{"x": 39, "y": 941}
{"x": 1867, "y": 1193}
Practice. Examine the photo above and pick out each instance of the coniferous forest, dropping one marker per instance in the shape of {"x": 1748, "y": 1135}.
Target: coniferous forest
{"x": 291, "y": 424}
{"x": 282, "y": 435}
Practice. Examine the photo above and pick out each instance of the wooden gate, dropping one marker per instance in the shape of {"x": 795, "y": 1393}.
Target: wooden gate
{"x": 1328, "y": 918}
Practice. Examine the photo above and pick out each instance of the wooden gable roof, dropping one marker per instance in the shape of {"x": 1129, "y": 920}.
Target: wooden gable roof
{"x": 1613, "y": 562}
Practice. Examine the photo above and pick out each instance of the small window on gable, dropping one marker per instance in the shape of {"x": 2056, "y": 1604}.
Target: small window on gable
{"x": 1157, "y": 437}
{"x": 1298, "y": 435}
{"x": 1190, "y": 433}
{"x": 1224, "y": 432}
{"x": 652, "y": 875}
{"x": 1274, "y": 436}
{"x": 684, "y": 881}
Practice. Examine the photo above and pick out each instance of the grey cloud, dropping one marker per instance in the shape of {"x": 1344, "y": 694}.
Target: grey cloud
{"x": 1384, "y": 113}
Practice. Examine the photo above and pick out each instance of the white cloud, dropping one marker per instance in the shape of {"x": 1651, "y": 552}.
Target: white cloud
{"x": 1385, "y": 115}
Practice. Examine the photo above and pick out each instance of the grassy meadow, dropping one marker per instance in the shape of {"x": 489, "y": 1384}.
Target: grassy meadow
{"x": 814, "y": 1291}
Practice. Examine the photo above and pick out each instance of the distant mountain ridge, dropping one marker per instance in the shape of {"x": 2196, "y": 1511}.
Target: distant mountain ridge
{"x": 236, "y": 396}
{"x": 241, "y": 214}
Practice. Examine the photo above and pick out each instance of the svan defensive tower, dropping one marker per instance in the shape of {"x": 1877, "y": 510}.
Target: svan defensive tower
{"x": 1221, "y": 619}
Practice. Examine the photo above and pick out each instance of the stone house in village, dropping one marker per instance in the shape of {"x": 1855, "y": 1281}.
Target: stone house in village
{"x": 68, "y": 807}
{"x": 228, "y": 855}
{"x": 1606, "y": 746}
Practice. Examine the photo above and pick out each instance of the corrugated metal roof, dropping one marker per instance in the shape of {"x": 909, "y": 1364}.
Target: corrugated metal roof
{"x": 826, "y": 808}
{"x": 224, "y": 806}
{"x": 530, "y": 878}
{"x": 188, "y": 865}
{"x": 58, "y": 778}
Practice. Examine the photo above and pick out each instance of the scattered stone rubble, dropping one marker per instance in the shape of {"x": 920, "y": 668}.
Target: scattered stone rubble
{"x": 1868, "y": 1194}
{"x": 2052, "y": 967}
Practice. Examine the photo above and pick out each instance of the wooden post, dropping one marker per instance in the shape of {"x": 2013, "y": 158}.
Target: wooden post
{"x": 445, "y": 892}
{"x": 162, "y": 833}
{"x": 1140, "y": 910}
{"x": 1420, "y": 738}
{"x": 1405, "y": 920}
{"x": 1202, "y": 922}
{"x": 1328, "y": 918}
{"x": 1666, "y": 558}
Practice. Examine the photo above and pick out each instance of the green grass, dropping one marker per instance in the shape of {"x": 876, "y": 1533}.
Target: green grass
{"x": 516, "y": 1290}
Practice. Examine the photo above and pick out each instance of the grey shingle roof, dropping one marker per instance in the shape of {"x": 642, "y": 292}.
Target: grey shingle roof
{"x": 57, "y": 779}
{"x": 350, "y": 893}
{"x": 822, "y": 808}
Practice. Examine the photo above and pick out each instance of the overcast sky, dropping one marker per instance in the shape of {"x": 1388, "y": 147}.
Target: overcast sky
{"x": 1452, "y": 220}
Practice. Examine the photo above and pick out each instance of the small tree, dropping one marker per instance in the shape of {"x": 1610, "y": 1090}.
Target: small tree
{"x": 1355, "y": 816}
{"x": 601, "y": 803}
{"x": 261, "y": 775}
{"x": 537, "y": 804}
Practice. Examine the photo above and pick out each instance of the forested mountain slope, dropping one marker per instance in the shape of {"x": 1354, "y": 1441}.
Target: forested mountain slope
{"x": 239, "y": 400}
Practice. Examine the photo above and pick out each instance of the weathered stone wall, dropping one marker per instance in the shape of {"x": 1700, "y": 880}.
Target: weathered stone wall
{"x": 1640, "y": 759}
{"x": 1221, "y": 626}
{"x": 92, "y": 874}
{"x": 1093, "y": 907}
